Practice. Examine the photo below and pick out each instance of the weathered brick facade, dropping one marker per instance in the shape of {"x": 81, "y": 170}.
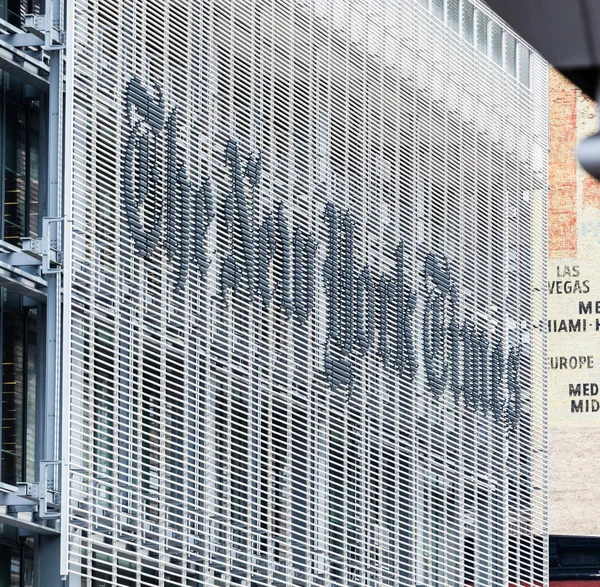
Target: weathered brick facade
{"x": 572, "y": 118}
{"x": 574, "y": 263}
{"x": 562, "y": 167}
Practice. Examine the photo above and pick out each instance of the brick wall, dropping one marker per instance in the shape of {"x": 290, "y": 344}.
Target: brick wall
{"x": 572, "y": 117}
{"x": 573, "y": 213}
{"x": 562, "y": 166}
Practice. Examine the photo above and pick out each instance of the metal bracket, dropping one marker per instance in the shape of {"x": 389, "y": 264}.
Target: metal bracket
{"x": 41, "y": 26}
{"x": 47, "y": 245}
{"x": 44, "y": 491}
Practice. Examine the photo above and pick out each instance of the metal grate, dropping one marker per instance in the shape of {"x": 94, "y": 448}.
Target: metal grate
{"x": 307, "y": 275}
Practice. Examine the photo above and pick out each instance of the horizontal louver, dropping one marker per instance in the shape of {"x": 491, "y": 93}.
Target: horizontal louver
{"x": 307, "y": 274}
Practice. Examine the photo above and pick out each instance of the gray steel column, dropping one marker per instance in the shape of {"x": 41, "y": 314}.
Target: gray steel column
{"x": 50, "y": 448}
{"x": 47, "y": 556}
{"x": 46, "y": 564}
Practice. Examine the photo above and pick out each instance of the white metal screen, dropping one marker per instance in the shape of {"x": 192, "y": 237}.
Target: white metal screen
{"x": 307, "y": 268}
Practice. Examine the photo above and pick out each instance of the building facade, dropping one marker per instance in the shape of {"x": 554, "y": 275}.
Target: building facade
{"x": 573, "y": 285}
{"x": 283, "y": 322}
{"x": 574, "y": 205}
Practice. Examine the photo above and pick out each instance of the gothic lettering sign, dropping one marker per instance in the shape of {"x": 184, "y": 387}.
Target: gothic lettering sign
{"x": 272, "y": 261}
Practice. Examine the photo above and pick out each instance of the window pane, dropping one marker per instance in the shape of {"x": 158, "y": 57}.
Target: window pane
{"x": 453, "y": 14}
{"x": 34, "y": 177}
{"x": 30, "y": 384}
{"x": 12, "y": 399}
{"x": 27, "y": 571}
{"x": 468, "y": 21}
{"x": 437, "y": 8}
{"x": 482, "y": 32}
{"x": 15, "y": 174}
{"x": 511, "y": 54}
{"x": 524, "y": 65}
{"x": 13, "y": 11}
{"x": 497, "y": 43}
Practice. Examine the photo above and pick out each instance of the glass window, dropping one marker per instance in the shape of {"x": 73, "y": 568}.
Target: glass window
{"x": 21, "y": 175}
{"x": 496, "y": 43}
{"x": 30, "y": 382}
{"x": 15, "y": 174}
{"x": 524, "y": 65}
{"x": 16, "y": 558}
{"x": 19, "y": 357}
{"x": 10, "y": 566}
{"x": 21, "y": 144}
{"x": 468, "y": 21}
{"x": 453, "y": 14}
{"x": 13, "y": 88}
{"x": 12, "y": 398}
{"x": 511, "y": 54}
{"x": 437, "y": 7}
{"x": 27, "y": 569}
{"x": 15, "y": 10}
{"x": 482, "y": 32}
{"x": 33, "y": 200}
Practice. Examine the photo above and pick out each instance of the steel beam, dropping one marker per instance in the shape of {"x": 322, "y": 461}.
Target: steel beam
{"x": 22, "y": 40}
{"x": 21, "y": 272}
{"x": 31, "y": 69}
{"x": 32, "y": 527}
{"x": 22, "y": 65}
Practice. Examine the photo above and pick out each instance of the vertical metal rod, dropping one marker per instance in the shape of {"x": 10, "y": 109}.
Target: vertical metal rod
{"x": 41, "y": 309}
{"x": 48, "y": 559}
{"x": 50, "y": 451}
{"x": 71, "y": 580}
{"x": 3, "y": 159}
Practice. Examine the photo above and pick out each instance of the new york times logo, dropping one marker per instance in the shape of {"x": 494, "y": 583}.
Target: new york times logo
{"x": 271, "y": 261}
